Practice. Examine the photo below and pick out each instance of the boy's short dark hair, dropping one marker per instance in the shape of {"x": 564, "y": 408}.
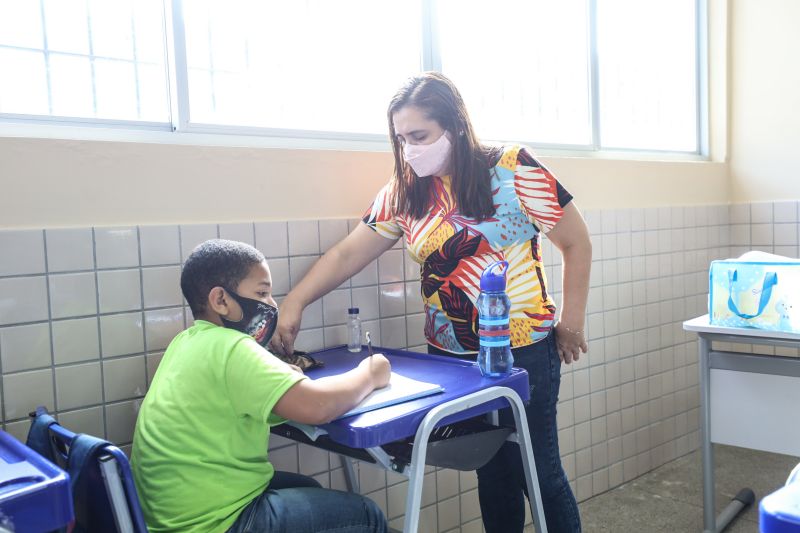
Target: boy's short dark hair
{"x": 215, "y": 263}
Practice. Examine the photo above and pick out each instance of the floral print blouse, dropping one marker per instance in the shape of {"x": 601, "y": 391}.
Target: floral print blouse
{"x": 453, "y": 250}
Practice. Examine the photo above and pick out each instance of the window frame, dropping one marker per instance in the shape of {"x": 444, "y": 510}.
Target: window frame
{"x": 201, "y": 133}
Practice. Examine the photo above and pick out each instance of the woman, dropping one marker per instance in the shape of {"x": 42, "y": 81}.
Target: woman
{"x": 462, "y": 205}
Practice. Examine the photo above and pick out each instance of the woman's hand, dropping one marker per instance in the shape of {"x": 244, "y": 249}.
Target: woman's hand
{"x": 571, "y": 342}
{"x": 289, "y": 317}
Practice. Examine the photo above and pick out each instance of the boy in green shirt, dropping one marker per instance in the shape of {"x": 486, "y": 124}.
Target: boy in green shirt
{"x": 200, "y": 447}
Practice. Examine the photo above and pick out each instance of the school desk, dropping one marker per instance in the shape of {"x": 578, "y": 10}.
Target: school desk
{"x": 400, "y": 437}
{"x": 746, "y": 399}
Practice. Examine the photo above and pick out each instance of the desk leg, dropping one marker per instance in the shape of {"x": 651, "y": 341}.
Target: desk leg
{"x": 526, "y": 449}
{"x": 350, "y": 477}
{"x": 709, "y": 520}
{"x": 435, "y": 415}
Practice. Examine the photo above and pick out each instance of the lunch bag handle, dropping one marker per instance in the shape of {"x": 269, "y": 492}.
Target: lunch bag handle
{"x": 770, "y": 280}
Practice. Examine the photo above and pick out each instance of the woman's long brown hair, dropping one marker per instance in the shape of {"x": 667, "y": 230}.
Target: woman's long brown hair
{"x": 437, "y": 97}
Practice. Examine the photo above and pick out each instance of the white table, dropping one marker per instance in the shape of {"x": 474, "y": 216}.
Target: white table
{"x": 746, "y": 400}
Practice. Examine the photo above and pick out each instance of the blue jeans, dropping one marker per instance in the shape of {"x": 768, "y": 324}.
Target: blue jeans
{"x": 298, "y": 504}
{"x": 501, "y": 481}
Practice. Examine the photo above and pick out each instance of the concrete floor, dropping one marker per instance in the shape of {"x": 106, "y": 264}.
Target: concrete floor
{"x": 669, "y": 499}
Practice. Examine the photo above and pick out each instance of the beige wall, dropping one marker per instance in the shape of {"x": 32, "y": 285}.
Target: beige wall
{"x": 765, "y": 100}
{"x": 60, "y": 183}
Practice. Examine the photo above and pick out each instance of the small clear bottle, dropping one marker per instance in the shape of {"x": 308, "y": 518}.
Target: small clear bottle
{"x": 353, "y": 330}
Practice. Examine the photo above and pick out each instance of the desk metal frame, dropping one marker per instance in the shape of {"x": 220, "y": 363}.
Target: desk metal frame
{"x": 741, "y": 362}
{"x": 415, "y": 471}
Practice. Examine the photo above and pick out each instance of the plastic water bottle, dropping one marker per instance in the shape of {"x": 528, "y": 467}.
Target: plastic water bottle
{"x": 494, "y": 306}
{"x": 353, "y": 330}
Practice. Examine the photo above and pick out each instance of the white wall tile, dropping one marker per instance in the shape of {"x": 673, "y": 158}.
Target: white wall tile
{"x": 390, "y": 266}
{"x": 152, "y": 360}
{"x": 415, "y": 326}
{"x": 25, "y": 391}
{"x": 312, "y": 315}
{"x": 303, "y": 237}
{"x": 761, "y": 212}
{"x": 69, "y": 249}
{"x": 161, "y": 286}
{"x": 334, "y": 307}
{"x": 237, "y": 231}
{"x": 160, "y": 245}
{"x": 309, "y": 340}
{"x": 116, "y": 247}
{"x": 73, "y": 295}
{"x": 120, "y": 421}
{"x": 89, "y": 421}
{"x": 124, "y": 378}
{"x": 393, "y": 332}
{"x": 22, "y": 252}
{"x": 279, "y": 270}
{"x": 335, "y": 335}
{"x": 366, "y": 299}
{"x": 785, "y": 234}
{"x": 122, "y": 334}
{"x": 161, "y": 326}
{"x": 119, "y": 290}
{"x": 75, "y": 340}
{"x": 272, "y": 239}
{"x": 784, "y": 212}
{"x": 23, "y": 300}
{"x": 761, "y": 234}
{"x": 25, "y": 347}
{"x": 392, "y": 299}
{"x": 78, "y": 386}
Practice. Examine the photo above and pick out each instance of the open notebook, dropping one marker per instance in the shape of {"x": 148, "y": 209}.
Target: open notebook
{"x": 400, "y": 389}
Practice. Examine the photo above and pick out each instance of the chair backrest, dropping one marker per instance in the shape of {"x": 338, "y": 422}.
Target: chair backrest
{"x": 103, "y": 491}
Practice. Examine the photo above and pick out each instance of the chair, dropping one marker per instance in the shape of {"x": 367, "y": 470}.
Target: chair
{"x": 103, "y": 492}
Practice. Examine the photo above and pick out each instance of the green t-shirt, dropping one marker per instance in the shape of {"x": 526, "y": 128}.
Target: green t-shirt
{"x": 200, "y": 446}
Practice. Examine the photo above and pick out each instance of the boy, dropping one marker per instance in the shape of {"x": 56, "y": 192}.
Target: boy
{"x": 200, "y": 446}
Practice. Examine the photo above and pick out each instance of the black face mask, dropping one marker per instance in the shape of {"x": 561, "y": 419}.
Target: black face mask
{"x": 258, "y": 318}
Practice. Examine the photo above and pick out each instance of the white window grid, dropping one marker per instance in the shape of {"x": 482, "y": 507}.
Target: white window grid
{"x": 178, "y": 89}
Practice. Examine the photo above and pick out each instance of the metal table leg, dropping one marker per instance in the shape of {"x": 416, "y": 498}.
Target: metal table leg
{"x": 435, "y": 415}
{"x": 745, "y": 497}
{"x": 350, "y": 477}
{"x": 709, "y": 524}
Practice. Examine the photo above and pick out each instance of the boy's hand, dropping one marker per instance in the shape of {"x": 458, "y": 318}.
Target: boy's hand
{"x": 379, "y": 369}
{"x": 296, "y": 369}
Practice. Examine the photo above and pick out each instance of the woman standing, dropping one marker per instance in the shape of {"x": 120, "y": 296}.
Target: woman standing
{"x": 462, "y": 205}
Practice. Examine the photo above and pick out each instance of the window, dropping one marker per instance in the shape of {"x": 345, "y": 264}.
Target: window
{"x": 85, "y": 59}
{"x": 575, "y": 74}
{"x": 303, "y": 65}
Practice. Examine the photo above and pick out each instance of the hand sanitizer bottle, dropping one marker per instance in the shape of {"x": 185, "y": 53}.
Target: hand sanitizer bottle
{"x": 353, "y": 330}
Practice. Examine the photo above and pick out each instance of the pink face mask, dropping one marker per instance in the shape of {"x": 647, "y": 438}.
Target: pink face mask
{"x": 429, "y": 159}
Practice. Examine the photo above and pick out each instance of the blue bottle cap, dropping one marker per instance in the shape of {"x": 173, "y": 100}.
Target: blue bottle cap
{"x": 352, "y": 311}
{"x": 493, "y": 281}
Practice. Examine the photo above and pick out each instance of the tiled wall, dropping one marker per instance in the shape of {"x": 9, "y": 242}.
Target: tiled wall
{"x": 86, "y": 313}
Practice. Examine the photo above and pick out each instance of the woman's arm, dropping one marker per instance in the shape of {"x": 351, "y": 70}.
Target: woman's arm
{"x": 571, "y": 237}
{"x": 346, "y": 258}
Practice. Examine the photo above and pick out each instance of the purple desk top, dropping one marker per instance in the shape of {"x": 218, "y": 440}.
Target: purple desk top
{"x": 458, "y": 377}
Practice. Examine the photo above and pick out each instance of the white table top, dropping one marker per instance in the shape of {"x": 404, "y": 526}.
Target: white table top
{"x": 701, "y": 324}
